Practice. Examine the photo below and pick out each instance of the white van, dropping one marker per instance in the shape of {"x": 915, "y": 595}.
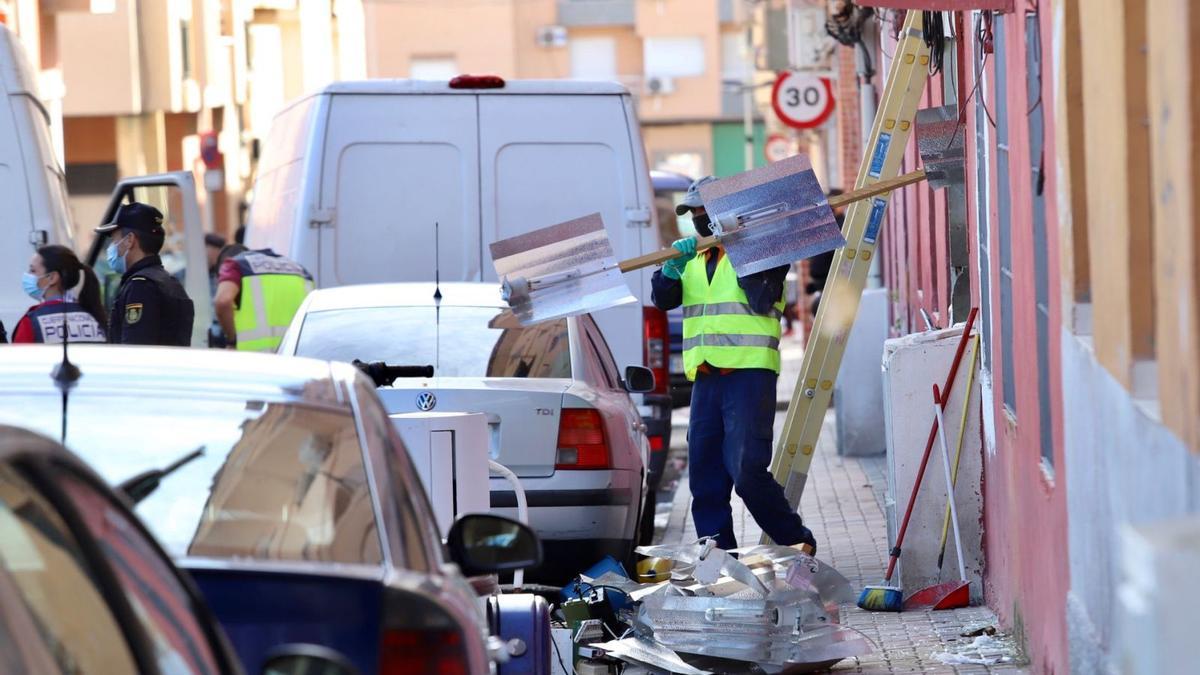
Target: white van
{"x": 33, "y": 196}
{"x": 403, "y": 180}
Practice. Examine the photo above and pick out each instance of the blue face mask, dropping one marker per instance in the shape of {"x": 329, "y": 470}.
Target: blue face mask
{"x": 116, "y": 261}
{"x": 29, "y": 282}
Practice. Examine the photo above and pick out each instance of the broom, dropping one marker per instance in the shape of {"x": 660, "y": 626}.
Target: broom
{"x": 885, "y": 597}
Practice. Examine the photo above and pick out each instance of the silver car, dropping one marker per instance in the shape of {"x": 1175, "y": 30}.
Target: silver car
{"x": 282, "y": 488}
{"x": 559, "y": 410}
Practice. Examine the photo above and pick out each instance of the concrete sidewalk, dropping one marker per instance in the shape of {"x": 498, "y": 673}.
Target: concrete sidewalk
{"x": 843, "y": 505}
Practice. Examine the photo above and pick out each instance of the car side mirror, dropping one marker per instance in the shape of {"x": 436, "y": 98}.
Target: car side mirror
{"x": 638, "y": 379}
{"x": 485, "y": 544}
{"x": 307, "y": 659}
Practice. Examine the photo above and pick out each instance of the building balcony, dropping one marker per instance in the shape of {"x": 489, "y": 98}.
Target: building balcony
{"x": 941, "y": 5}
{"x": 581, "y": 13}
{"x": 730, "y": 11}
{"x": 99, "y": 81}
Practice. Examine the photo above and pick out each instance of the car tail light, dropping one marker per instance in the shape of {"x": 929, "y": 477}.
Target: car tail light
{"x": 416, "y": 652}
{"x": 656, "y": 443}
{"x": 477, "y": 82}
{"x": 654, "y": 325}
{"x": 581, "y": 441}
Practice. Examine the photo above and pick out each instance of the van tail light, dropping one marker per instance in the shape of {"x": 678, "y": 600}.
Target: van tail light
{"x": 656, "y": 443}
{"x": 581, "y": 441}
{"x": 654, "y": 349}
{"x": 417, "y": 652}
{"x": 477, "y": 82}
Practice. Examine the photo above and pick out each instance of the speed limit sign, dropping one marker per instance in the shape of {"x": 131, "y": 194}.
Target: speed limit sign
{"x": 801, "y": 100}
{"x": 778, "y": 147}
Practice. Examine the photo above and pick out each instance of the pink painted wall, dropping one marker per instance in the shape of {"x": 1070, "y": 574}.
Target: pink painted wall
{"x": 1025, "y": 513}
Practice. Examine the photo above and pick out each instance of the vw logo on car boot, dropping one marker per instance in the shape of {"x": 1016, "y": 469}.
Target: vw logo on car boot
{"x": 426, "y": 401}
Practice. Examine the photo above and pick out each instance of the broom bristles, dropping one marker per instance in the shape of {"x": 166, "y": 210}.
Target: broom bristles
{"x": 881, "y": 599}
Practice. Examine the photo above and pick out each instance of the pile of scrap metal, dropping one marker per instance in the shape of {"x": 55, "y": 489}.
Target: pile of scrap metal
{"x": 765, "y": 609}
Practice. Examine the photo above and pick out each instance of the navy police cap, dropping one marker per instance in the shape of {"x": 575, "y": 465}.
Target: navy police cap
{"x": 136, "y": 216}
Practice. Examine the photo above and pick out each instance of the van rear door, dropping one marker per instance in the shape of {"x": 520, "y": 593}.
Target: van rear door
{"x": 557, "y": 157}
{"x": 400, "y": 176}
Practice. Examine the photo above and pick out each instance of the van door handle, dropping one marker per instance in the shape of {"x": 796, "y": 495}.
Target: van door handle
{"x": 321, "y": 218}
{"x": 637, "y": 217}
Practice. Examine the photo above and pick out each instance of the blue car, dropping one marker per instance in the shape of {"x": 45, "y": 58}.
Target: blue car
{"x": 281, "y": 487}
{"x": 669, "y": 189}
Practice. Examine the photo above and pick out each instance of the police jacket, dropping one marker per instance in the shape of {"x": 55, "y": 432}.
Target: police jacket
{"x": 44, "y": 323}
{"x": 151, "y": 308}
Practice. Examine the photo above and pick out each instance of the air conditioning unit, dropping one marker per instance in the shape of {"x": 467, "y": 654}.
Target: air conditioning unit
{"x": 551, "y": 36}
{"x": 657, "y": 85}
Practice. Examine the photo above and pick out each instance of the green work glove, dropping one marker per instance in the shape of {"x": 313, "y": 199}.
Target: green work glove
{"x": 673, "y": 268}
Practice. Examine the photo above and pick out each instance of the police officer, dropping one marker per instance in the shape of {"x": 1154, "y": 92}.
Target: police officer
{"x": 258, "y": 293}
{"x": 65, "y": 289}
{"x": 731, "y": 352}
{"x": 151, "y": 307}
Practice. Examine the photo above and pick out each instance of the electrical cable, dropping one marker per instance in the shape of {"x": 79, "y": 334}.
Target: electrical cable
{"x": 934, "y": 33}
{"x": 983, "y": 38}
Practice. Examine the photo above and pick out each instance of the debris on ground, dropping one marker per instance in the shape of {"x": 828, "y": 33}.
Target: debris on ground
{"x": 756, "y": 609}
{"x": 977, "y": 630}
{"x": 984, "y": 650}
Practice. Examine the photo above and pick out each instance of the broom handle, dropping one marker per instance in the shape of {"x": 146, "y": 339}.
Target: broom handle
{"x": 894, "y": 554}
{"x": 661, "y": 256}
{"x": 938, "y": 404}
{"x": 962, "y": 427}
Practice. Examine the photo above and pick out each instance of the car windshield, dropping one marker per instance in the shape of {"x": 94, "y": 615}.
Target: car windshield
{"x": 276, "y": 481}
{"x": 462, "y": 342}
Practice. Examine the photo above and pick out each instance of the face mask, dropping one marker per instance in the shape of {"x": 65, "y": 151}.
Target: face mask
{"x": 29, "y": 282}
{"x": 702, "y": 223}
{"x": 116, "y": 261}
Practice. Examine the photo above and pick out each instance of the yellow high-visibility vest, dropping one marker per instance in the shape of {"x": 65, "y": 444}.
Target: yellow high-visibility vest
{"x": 719, "y": 327}
{"x": 273, "y": 288}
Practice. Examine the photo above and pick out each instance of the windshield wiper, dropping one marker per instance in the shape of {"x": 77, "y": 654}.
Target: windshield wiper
{"x": 384, "y": 375}
{"x": 144, "y": 484}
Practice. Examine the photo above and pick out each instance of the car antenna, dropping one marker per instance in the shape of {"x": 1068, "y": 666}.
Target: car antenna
{"x": 437, "y": 297}
{"x": 65, "y": 373}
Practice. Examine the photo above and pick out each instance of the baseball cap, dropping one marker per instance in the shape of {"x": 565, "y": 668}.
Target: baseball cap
{"x": 136, "y": 216}
{"x": 692, "y": 199}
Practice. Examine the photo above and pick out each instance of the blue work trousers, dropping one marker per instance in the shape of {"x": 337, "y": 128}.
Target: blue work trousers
{"x": 729, "y": 448}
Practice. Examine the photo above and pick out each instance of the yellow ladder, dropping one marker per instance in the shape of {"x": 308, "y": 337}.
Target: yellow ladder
{"x": 844, "y": 287}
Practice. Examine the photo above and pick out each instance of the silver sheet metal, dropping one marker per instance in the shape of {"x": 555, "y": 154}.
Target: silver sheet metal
{"x": 778, "y": 215}
{"x": 688, "y": 556}
{"x": 748, "y": 630}
{"x": 804, "y": 572}
{"x": 773, "y": 606}
{"x": 561, "y": 270}
{"x": 644, "y": 651}
{"x": 941, "y": 144}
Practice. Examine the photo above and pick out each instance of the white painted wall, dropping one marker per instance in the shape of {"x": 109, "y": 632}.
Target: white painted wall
{"x": 911, "y": 366}
{"x": 1122, "y": 469}
{"x": 858, "y": 394}
{"x": 1157, "y": 608}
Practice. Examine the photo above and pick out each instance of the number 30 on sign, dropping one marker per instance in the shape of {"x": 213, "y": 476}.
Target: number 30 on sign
{"x": 801, "y": 100}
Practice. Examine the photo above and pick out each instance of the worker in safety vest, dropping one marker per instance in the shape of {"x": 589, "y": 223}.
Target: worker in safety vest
{"x": 731, "y": 352}
{"x": 258, "y": 293}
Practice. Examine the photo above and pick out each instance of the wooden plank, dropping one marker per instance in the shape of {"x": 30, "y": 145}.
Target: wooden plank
{"x": 1116, "y": 137}
{"x": 1174, "y": 104}
{"x": 1072, "y": 164}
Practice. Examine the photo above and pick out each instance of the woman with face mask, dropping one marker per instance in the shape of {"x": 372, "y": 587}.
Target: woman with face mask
{"x": 65, "y": 289}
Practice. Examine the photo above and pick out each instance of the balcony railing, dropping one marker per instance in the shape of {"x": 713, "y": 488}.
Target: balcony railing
{"x": 577, "y": 13}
